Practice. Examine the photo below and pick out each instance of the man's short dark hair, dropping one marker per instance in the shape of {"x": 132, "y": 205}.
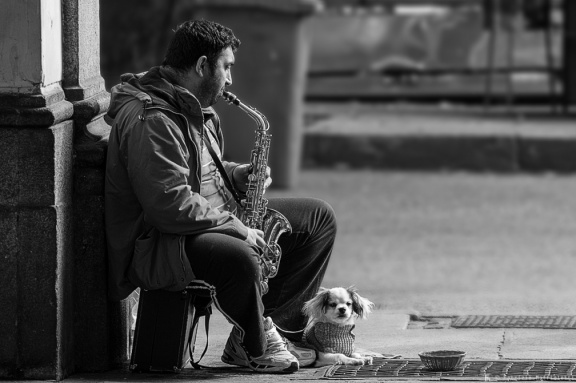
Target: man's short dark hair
{"x": 196, "y": 38}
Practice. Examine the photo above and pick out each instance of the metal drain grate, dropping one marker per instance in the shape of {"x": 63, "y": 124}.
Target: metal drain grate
{"x": 395, "y": 369}
{"x": 509, "y": 321}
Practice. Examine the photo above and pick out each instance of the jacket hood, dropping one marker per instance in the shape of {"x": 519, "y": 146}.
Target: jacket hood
{"x": 153, "y": 89}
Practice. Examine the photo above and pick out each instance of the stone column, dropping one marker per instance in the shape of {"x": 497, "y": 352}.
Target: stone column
{"x": 35, "y": 195}
{"x": 55, "y": 316}
{"x": 100, "y": 326}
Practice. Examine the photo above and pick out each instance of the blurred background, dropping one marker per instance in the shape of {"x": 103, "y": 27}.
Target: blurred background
{"x": 302, "y": 59}
{"x": 355, "y": 45}
{"x": 441, "y": 131}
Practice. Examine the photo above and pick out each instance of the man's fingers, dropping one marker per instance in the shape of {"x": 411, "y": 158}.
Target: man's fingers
{"x": 256, "y": 237}
{"x": 261, "y": 242}
{"x": 260, "y": 238}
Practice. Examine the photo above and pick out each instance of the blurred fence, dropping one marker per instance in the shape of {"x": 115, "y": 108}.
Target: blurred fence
{"x": 431, "y": 39}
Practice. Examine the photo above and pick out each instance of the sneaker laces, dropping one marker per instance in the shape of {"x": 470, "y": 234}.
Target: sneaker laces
{"x": 274, "y": 342}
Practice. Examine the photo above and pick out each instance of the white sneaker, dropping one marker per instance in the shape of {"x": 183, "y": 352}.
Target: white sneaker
{"x": 306, "y": 356}
{"x": 276, "y": 358}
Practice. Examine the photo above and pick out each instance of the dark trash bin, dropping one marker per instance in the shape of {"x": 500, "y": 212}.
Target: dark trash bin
{"x": 269, "y": 75}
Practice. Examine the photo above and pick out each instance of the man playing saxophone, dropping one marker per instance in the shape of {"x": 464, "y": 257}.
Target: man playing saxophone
{"x": 167, "y": 198}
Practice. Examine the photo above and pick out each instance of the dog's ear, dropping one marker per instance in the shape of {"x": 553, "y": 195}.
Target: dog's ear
{"x": 360, "y": 305}
{"x": 316, "y": 307}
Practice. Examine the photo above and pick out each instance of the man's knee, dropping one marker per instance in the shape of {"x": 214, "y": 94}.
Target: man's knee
{"x": 327, "y": 215}
{"x": 243, "y": 263}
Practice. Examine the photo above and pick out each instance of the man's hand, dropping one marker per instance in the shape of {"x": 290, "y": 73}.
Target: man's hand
{"x": 256, "y": 237}
{"x": 241, "y": 173}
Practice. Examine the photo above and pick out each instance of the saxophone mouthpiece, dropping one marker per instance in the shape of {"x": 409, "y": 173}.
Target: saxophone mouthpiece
{"x": 230, "y": 98}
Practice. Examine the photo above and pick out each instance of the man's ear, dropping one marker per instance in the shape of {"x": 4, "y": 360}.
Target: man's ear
{"x": 201, "y": 65}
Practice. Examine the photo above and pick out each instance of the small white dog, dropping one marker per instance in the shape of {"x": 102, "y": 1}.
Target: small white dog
{"x": 331, "y": 318}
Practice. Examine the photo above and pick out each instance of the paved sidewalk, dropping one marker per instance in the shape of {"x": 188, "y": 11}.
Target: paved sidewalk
{"x": 383, "y": 333}
{"x": 435, "y": 244}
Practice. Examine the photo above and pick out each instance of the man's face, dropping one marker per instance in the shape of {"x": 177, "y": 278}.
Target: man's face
{"x": 216, "y": 79}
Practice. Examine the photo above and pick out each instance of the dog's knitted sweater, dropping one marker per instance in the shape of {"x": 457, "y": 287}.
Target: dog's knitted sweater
{"x": 329, "y": 337}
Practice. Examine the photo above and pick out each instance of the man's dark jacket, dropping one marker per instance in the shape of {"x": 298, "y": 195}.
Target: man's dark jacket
{"x": 152, "y": 189}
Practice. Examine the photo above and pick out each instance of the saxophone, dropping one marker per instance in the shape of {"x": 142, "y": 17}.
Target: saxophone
{"x": 254, "y": 212}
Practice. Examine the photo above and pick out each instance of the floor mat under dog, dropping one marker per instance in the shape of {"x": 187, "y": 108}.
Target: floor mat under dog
{"x": 494, "y": 370}
{"x": 514, "y": 321}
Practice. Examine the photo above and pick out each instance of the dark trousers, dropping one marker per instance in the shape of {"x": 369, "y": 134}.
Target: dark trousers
{"x": 231, "y": 266}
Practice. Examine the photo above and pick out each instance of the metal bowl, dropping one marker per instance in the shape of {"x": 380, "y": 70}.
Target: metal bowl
{"x": 443, "y": 360}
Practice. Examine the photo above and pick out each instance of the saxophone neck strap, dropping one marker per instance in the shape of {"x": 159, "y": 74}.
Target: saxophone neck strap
{"x": 229, "y": 185}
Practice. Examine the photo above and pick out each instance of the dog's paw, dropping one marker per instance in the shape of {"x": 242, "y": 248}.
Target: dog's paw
{"x": 358, "y": 360}
{"x": 350, "y": 361}
{"x": 368, "y": 360}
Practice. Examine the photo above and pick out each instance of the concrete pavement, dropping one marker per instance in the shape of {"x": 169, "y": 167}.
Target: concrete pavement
{"x": 383, "y": 333}
{"x": 435, "y": 244}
